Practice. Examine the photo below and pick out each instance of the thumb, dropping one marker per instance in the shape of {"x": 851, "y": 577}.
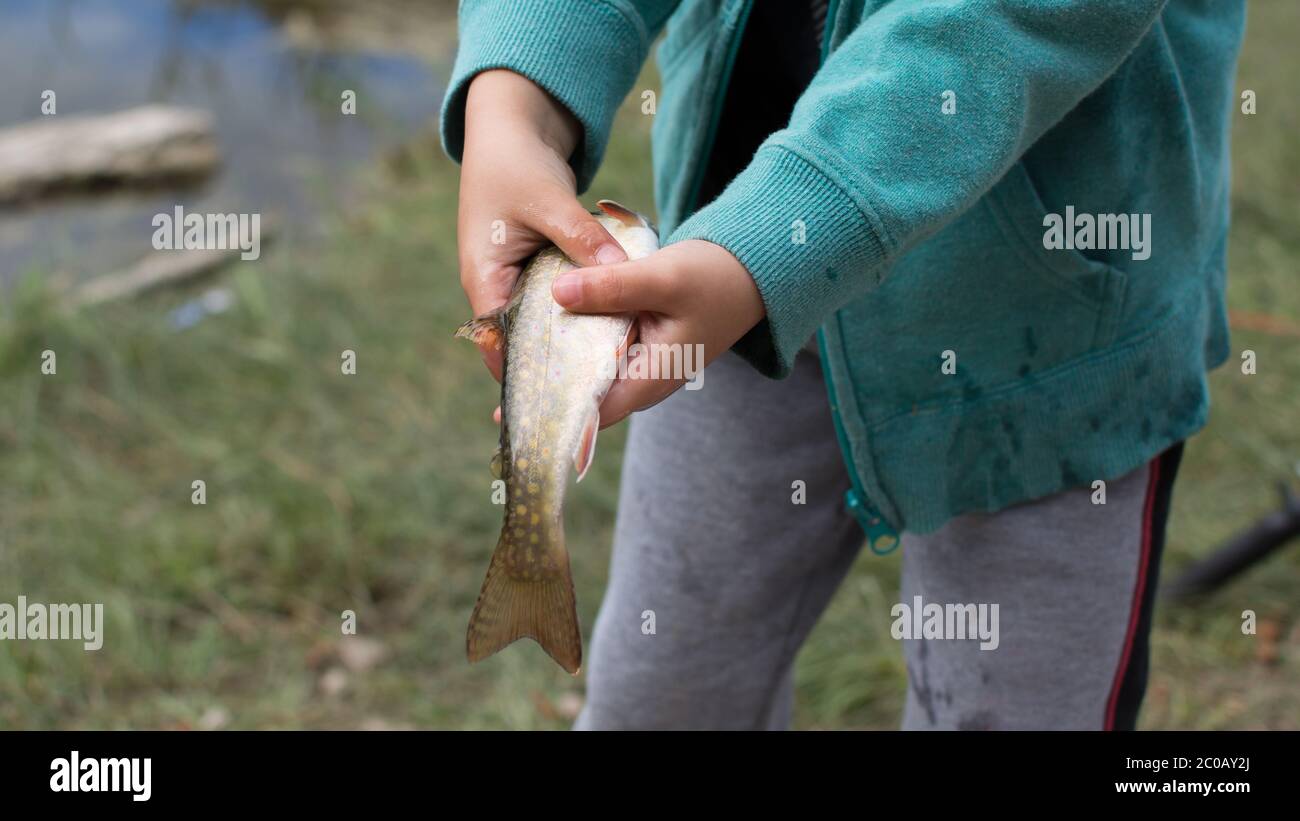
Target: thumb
{"x": 578, "y": 234}
{"x": 638, "y": 285}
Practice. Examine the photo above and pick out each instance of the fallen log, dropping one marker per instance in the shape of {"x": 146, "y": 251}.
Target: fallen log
{"x": 160, "y": 269}
{"x": 148, "y": 145}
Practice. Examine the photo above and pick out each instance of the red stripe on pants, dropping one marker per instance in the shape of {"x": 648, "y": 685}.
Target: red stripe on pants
{"x": 1139, "y": 590}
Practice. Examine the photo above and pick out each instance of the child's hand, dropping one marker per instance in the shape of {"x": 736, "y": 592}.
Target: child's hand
{"x": 515, "y": 170}
{"x": 688, "y": 293}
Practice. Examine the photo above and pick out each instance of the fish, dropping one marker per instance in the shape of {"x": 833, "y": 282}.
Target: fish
{"x": 558, "y": 367}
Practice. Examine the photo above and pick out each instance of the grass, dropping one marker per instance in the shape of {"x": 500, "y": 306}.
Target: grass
{"x": 370, "y": 492}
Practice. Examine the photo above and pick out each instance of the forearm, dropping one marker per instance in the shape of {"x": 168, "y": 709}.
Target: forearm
{"x": 871, "y": 164}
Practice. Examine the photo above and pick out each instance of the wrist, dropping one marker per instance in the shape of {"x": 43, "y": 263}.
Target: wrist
{"x": 499, "y": 97}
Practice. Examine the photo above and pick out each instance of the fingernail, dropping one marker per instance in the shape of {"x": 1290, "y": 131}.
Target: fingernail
{"x": 608, "y": 254}
{"x": 567, "y": 289}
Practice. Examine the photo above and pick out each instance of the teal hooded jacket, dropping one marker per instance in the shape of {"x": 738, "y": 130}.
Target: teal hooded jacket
{"x": 1005, "y": 220}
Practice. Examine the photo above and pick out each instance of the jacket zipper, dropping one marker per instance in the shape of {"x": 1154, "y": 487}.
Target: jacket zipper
{"x": 719, "y": 99}
{"x": 881, "y": 537}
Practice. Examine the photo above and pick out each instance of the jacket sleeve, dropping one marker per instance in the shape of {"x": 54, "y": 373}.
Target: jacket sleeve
{"x": 869, "y": 165}
{"x": 586, "y": 53}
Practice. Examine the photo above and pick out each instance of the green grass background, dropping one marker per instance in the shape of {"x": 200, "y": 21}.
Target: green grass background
{"x": 371, "y": 492}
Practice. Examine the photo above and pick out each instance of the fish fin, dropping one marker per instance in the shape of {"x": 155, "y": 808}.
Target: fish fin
{"x": 498, "y": 463}
{"x": 628, "y": 337}
{"x": 486, "y": 330}
{"x": 623, "y": 214}
{"x": 542, "y": 608}
{"x": 586, "y": 450}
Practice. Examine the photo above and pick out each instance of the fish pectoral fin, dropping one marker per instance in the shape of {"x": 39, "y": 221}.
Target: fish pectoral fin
{"x": 623, "y": 214}
{"x": 586, "y": 450}
{"x": 498, "y": 463}
{"x": 486, "y": 330}
{"x": 628, "y": 338}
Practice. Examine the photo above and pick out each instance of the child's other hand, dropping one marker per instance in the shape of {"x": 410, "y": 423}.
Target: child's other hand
{"x": 688, "y": 293}
{"x": 517, "y": 191}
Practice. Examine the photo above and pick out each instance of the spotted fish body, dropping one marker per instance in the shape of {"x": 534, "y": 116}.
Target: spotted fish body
{"x": 557, "y": 371}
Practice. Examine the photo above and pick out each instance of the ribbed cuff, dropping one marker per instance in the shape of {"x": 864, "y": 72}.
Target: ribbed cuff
{"x": 807, "y": 244}
{"x": 585, "y": 53}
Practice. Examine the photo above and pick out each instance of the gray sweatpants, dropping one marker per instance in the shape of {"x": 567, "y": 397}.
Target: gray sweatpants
{"x": 736, "y": 575}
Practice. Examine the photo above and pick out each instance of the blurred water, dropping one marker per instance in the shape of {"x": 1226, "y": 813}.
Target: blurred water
{"x": 287, "y": 149}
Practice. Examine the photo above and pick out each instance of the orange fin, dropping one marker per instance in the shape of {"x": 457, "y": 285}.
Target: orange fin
{"x": 586, "y": 451}
{"x": 628, "y": 338}
{"x": 485, "y": 330}
{"x": 541, "y": 606}
{"x": 624, "y": 215}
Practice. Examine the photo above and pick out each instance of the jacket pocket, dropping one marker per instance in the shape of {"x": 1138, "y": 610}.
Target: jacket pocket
{"x": 1020, "y": 214}
{"x": 978, "y": 308}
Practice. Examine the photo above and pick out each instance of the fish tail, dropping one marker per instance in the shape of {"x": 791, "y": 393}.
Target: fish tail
{"x": 528, "y": 593}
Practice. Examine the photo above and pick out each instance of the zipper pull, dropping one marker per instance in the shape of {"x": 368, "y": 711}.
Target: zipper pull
{"x": 881, "y": 538}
